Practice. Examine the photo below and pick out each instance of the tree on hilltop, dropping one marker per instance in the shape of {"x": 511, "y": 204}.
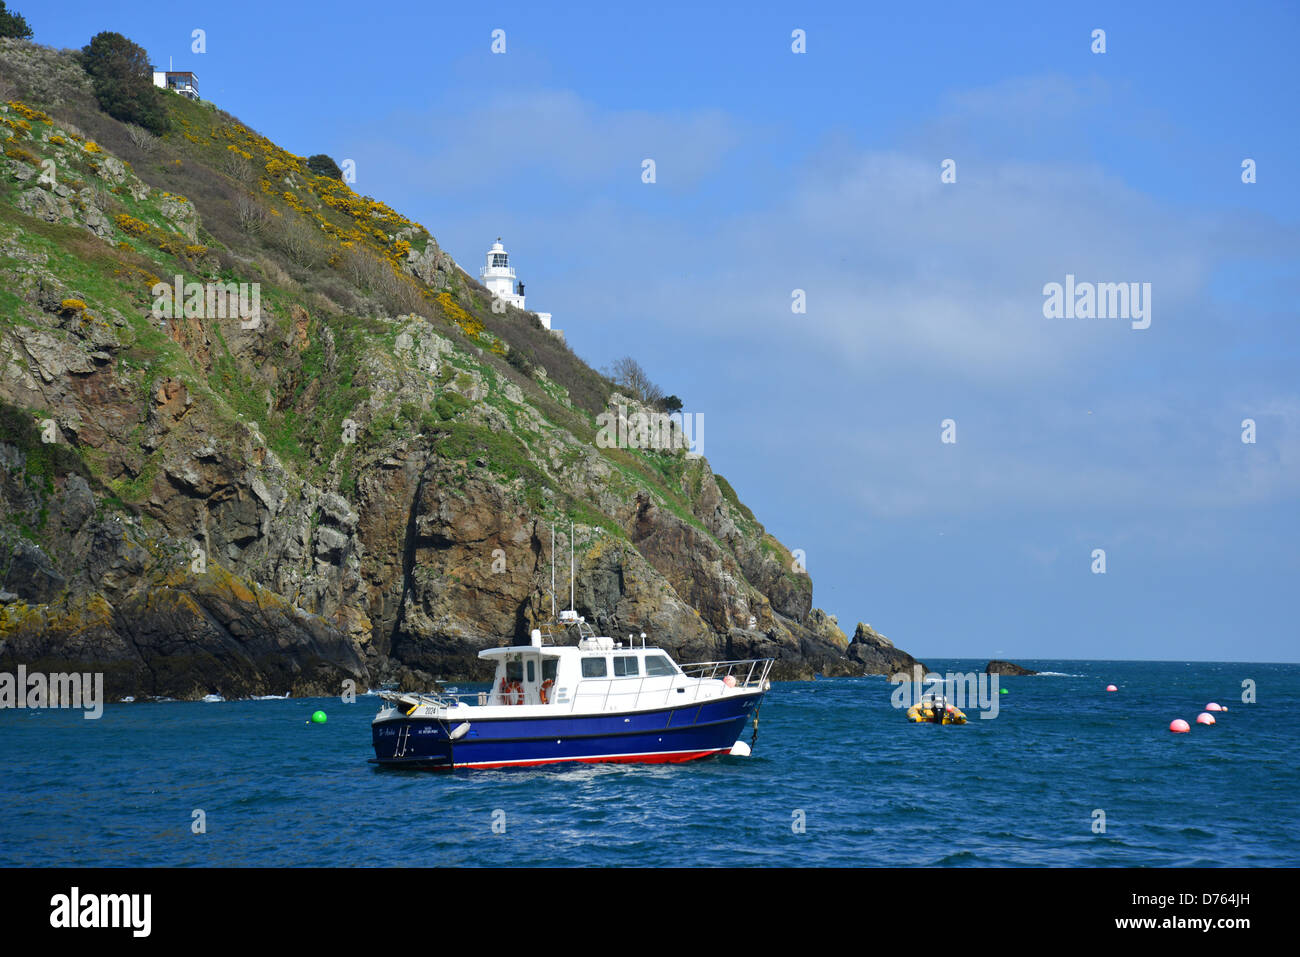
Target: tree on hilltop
{"x": 123, "y": 81}
{"x": 14, "y": 24}
{"x": 628, "y": 374}
{"x": 322, "y": 165}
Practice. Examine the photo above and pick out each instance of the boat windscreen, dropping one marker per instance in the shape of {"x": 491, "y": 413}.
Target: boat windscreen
{"x": 658, "y": 665}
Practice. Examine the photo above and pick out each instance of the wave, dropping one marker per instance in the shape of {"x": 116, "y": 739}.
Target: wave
{"x": 955, "y": 858}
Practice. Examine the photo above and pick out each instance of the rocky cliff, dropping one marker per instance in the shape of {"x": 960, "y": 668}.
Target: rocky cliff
{"x": 357, "y": 479}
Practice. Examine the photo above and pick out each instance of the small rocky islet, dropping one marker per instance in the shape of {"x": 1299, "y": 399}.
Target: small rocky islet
{"x": 999, "y": 667}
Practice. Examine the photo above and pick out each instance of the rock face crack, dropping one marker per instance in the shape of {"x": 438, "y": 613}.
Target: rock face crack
{"x": 409, "y": 542}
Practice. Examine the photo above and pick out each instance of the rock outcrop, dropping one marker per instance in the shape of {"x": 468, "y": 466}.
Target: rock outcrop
{"x": 876, "y": 655}
{"x": 997, "y": 667}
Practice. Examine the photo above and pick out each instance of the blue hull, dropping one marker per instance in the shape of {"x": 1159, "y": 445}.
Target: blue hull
{"x": 662, "y": 735}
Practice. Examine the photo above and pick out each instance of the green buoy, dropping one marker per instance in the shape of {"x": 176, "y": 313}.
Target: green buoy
{"x": 1004, "y": 691}
{"x": 318, "y": 717}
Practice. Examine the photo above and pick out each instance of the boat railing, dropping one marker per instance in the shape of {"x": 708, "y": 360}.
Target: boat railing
{"x": 705, "y": 679}
{"x": 747, "y": 673}
{"x": 410, "y": 700}
{"x": 557, "y": 632}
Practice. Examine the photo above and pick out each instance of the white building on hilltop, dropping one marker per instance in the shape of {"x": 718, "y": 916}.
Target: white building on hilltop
{"x": 184, "y": 82}
{"x": 499, "y": 278}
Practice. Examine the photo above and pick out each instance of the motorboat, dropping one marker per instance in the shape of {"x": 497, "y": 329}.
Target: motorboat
{"x": 935, "y": 709}
{"x": 570, "y": 695}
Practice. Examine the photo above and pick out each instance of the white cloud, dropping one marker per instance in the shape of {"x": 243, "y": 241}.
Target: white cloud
{"x": 924, "y": 299}
{"x": 554, "y": 137}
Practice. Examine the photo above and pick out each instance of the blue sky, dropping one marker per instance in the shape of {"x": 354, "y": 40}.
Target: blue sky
{"x": 820, "y": 171}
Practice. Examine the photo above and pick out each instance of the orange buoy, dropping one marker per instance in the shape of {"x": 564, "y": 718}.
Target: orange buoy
{"x": 1205, "y": 718}
{"x": 1215, "y": 706}
{"x": 1179, "y": 726}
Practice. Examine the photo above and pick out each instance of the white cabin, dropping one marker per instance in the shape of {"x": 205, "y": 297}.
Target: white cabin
{"x": 598, "y": 675}
{"x": 595, "y": 676}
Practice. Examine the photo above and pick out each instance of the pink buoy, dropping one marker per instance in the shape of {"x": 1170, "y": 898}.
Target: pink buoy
{"x": 1205, "y": 718}
{"x": 729, "y": 681}
{"x": 1214, "y": 706}
{"x": 1179, "y": 726}
{"x": 1111, "y": 688}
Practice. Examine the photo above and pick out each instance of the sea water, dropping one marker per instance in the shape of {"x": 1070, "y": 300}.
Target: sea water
{"x": 1067, "y": 774}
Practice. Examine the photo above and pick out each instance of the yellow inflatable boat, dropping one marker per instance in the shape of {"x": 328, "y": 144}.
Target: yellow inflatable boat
{"x": 932, "y": 710}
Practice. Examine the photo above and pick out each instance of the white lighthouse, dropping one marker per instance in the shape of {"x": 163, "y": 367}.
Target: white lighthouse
{"x": 499, "y": 278}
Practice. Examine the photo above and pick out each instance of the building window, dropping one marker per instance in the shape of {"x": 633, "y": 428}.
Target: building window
{"x": 500, "y": 259}
{"x": 593, "y": 668}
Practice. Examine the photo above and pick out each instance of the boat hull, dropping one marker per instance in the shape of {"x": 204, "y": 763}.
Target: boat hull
{"x": 663, "y": 735}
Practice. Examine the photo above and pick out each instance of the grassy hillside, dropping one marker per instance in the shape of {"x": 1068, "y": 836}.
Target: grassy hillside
{"x": 318, "y": 249}
{"x": 362, "y": 449}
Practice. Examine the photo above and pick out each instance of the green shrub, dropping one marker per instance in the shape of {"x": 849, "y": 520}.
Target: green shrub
{"x": 123, "y": 81}
{"x": 45, "y": 461}
{"x": 520, "y": 361}
{"x": 450, "y": 405}
{"x": 13, "y": 24}
{"x": 322, "y": 165}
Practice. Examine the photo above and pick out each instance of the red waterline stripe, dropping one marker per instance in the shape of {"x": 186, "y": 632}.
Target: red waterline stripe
{"x": 659, "y": 757}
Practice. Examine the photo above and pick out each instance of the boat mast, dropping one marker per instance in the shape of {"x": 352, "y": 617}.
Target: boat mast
{"x": 552, "y": 571}
{"x": 571, "y": 608}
